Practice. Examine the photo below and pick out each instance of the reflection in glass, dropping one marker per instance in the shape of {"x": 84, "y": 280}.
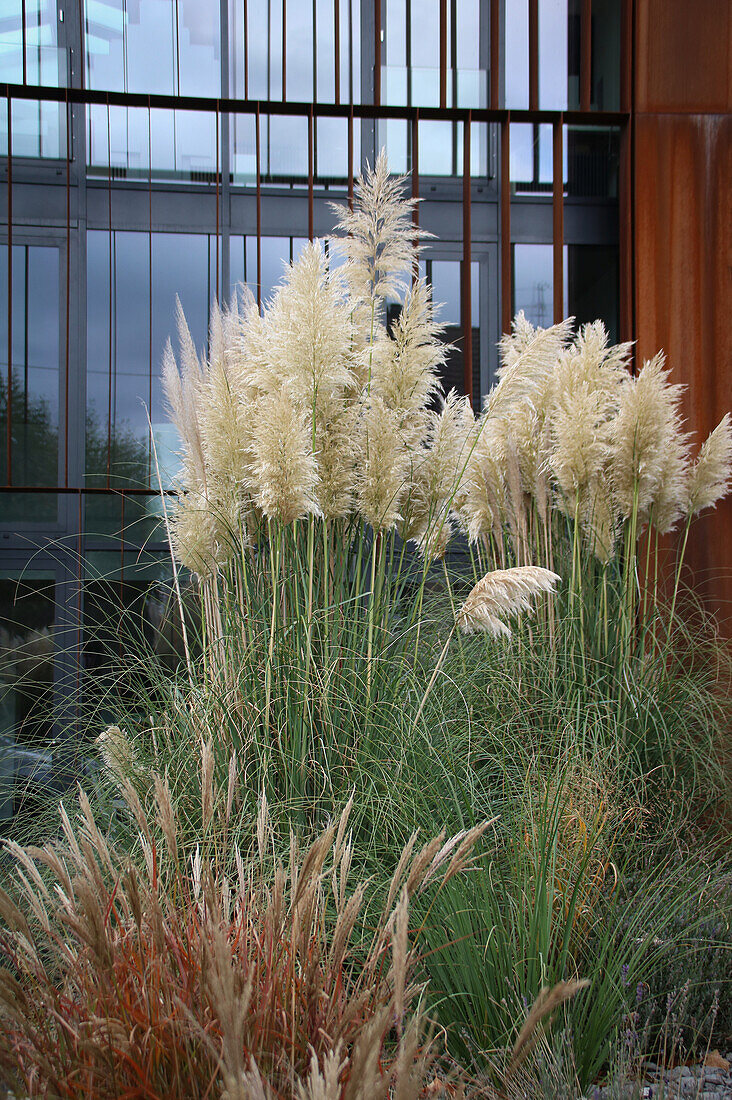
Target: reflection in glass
{"x": 275, "y": 253}
{"x": 152, "y": 46}
{"x": 411, "y": 77}
{"x": 533, "y": 282}
{"x": 124, "y": 350}
{"x": 27, "y": 613}
{"x": 39, "y": 129}
{"x": 532, "y": 158}
{"x": 31, "y": 402}
{"x": 255, "y": 50}
{"x": 137, "y": 143}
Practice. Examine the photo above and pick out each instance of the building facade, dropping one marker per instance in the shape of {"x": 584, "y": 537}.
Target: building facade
{"x": 162, "y": 148}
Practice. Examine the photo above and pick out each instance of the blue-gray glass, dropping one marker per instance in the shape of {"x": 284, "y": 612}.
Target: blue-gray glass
{"x": 531, "y": 157}
{"x": 516, "y": 54}
{"x": 153, "y": 46}
{"x": 27, "y": 613}
{"x": 124, "y": 357}
{"x": 533, "y": 282}
{"x": 553, "y": 54}
{"x": 39, "y": 129}
{"x": 30, "y": 403}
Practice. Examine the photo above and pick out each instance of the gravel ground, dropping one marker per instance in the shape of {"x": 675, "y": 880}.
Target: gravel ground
{"x": 681, "y": 1083}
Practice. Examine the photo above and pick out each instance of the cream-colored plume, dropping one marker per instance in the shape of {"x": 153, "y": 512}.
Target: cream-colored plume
{"x": 284, "y": 468}
{"x": 502, "y": 593}
{"x": 379, "y": 235}
{"x": 647, "y": 422}
{"x": 436, "y": 475}
{"x": 711, "y": 474}
{"x": 405, "y": 371}
{"x": 383, "y": 467}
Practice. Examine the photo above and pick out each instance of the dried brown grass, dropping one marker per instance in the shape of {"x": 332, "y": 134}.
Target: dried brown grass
{"x": 164, "y": 978}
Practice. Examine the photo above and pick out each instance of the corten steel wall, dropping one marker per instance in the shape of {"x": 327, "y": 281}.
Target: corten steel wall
{"x": 682, "y": 180}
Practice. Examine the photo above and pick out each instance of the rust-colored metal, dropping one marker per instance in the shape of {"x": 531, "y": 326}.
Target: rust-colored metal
{"x": 311, "y": 203}
{"x": 586, "y": 55}
{"x": 533, "y": 55}
{"x": 683, "y": 57}
{"x": 258, "y": 159}
{"x": 337, "y": 48}
{"x": 558, "y": 218}
{"x": 443, "y": 53}
{"x": 466, "y": 309}
{"x": 683, "y": 230}
{"x": 377, "y": 53}
{"x": 505, "y": 212}
{"x": 495, "y": 53}
{"x": 9, "y": 426}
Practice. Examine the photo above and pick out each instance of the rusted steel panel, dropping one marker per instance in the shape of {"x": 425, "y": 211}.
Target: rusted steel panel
{"x": 683, "y": 266}
{"x": 683, "y": 55}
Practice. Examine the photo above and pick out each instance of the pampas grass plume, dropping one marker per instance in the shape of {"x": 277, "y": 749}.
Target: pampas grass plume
{"x": 712, "y": 472}
{"x": 379, "y": 235}
{"x": 283, "y": 463}
{"x": 501, "y": 593}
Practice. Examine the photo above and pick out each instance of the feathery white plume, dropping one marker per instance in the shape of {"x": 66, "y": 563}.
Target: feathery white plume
{"x": 502, "y": 593}
{"x": 711, "y": 474}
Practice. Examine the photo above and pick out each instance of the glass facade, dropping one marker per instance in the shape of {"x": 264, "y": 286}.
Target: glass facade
{"x": 206, "y": 142}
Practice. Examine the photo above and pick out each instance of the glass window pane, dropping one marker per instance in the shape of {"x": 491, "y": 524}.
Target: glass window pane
{"x": 592, "y": 161}
{"x": 331, "y": 148}
{"x": 606, "y": 55}
{"x": 446, "y": 290}
{"x": 138, "y": 143}
{"x": 533, "y": 282}
{"x": 553, "y": 36}
{"x": 33, "y": 403}
{"x": 300, "y": 52}
{"x": 516, "y": 66}
{"x": 287, "y": 147}
{"x": 325, "y": 53}
{"x": 351, "y": 50}
{"x": 593, "y": 273}
{"x": 123, "y": 355}
{"x": 153, "y": 46}
{"x": 27, "y": 615}
{"x": 531, "y": 157}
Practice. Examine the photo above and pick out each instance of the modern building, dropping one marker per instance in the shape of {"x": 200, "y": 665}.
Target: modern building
{"x": 572, "y": 157}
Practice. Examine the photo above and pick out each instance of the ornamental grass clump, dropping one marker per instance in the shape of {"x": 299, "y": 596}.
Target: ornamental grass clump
{"x": 165, "y": 976}
{"x": 320, "y": 460}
